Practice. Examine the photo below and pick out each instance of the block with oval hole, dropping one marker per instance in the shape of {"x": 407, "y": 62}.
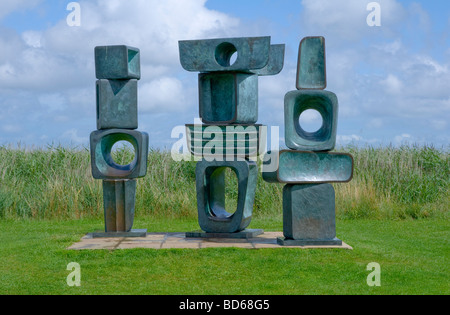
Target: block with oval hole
{"x": 225, "y": 54}
{"x": 102, "y": 161}
{"x": 118, "y": 62}
{"x": 117, "y": 104}
{"x": 228, "y": 97}
{"x": 301, "y": 167}
{"x": 298, "y": 102}
{"x": 225, "y": 141}
{"x": 213, "y": 216}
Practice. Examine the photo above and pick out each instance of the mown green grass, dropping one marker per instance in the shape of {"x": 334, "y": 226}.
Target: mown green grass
{"x": 394, "y": 212}
{"x": 413, "y": 255}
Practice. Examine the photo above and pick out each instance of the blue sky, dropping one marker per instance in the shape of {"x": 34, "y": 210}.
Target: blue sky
{"x": 392, "y": 81}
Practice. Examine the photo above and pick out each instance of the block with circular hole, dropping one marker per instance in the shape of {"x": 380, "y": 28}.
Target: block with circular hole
{"x": 117, "y": 62}
{"x": 228, "y": 97}
{"x": 309, "y": 215}
{"x": 103, "y": 164}
{"x": 226, "y": 141}
{"x": 311, "y": 71}
{"x": 210, "y": 183}
{"x": 295, "y": 104}
{"x": 212, "y": 55}
{"x": 117, "y": 104}
{"x": 302, "y": 167}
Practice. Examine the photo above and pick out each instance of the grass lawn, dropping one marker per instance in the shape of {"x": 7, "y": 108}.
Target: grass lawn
{"x": 413, "y": 255}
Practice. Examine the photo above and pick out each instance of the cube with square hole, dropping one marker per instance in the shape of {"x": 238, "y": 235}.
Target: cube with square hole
{"x": 117, "y": 104}
{"x": 210, "y": 181}
{"x": 117, "y": 62}
{"x": 228, "y": 97}
{"x": 295, "y": 104}
{"x": 102, "y": 160}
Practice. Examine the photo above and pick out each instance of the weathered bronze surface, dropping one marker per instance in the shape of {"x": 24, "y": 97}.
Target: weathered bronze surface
{"x": 311, "y": 72}
{"x": 118, "y": 71}
{"x": 301, "y": 167}
{"x": 324, "y": 102}
{"x": 210, "y": 182}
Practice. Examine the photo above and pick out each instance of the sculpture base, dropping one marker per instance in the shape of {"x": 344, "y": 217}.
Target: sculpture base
{"x": 246, "y": 234}
{"x": 132, "y": 233}
{"x": 289, "y": 242}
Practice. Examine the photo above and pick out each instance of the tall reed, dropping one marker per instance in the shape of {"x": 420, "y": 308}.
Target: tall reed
{"x": 56, "y": 183}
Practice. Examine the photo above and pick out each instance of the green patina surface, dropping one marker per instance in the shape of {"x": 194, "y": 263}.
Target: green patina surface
{"x": 117, "y": 62}
{"x": 324, "y": 102}
{"x": 299, "y": 167}
{"x": 210, "y": 184}
{"x": 311, "y": 73}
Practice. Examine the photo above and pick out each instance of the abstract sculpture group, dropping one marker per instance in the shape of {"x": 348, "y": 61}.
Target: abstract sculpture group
{"x": 228, "y": 138}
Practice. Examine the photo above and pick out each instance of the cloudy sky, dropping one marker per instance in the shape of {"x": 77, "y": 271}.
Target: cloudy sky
{"x": 392, "y": 80}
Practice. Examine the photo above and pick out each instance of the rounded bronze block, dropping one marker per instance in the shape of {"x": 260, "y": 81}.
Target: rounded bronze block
{"x": 311, "y": 69}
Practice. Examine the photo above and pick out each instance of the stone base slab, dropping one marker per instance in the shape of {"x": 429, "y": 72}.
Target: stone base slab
{"x": 132, "y": 233}
{"x": 289, "y": 242}
{"x": 157, "y": 241}
{"x": 246, "y": 234}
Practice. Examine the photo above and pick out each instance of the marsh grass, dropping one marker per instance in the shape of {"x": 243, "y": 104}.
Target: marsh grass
{"x": 56, "y": 183}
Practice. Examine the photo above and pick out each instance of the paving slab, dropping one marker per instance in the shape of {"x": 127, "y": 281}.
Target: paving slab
{"x": 158, "y": 241}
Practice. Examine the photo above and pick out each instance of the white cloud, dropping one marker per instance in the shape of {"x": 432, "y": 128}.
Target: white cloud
{"x": 385, "y": 84}
{"x": 72, "y": 137}
{"x": 49, "y": 75}
{"x": 164, "y": 94}
{"x": 32, "y": 38}
{"x": 344, "y": 20}
{"x": 402, "y": 139}
{"x": 391, "y": 48}
{"x": 6, "y": 7}
{"x": 392, "y": 85}
{"x": 53, "y": 102}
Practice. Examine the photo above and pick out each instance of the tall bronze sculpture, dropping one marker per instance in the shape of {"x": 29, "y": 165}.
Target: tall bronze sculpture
{"x": 229, "y": 135}
{"x": 118, "y": 72}
{"x": 309, "y": 167}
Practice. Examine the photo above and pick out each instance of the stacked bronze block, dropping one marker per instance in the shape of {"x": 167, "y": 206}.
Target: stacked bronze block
{"x": 308, "y": 167}
{"x": 118, "y": 71}
{"x": 229, "y": 136}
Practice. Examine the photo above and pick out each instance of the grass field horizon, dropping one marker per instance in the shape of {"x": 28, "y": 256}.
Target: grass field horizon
{"x": 56, "y": 183}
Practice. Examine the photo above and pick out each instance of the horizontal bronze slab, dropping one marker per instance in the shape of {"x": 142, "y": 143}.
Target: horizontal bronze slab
{"x": 302, "y": 167}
